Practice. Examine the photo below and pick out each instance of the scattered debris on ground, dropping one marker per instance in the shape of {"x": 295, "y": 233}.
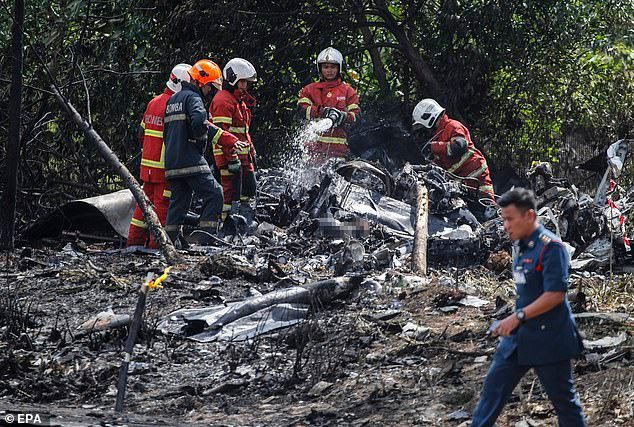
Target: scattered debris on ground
{"x": 309, "y": 313}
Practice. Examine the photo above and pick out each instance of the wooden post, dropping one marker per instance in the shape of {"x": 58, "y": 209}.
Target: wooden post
{"x": 7, "y": 214}
{"x": 152, "y": 220}
{"x": 419, "y": 254}
{"x": 135, "y": 325}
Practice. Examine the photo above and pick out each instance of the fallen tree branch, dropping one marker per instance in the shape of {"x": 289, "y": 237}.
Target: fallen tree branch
{"x": 623, "y": 318}
{"x": 154, "y": 225}
{"x": 122, "y": 73}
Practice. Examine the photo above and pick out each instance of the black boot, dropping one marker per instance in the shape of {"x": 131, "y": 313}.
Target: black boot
{"x": 248, "y": 214}
{"x": 230, "y": 227}
{"x": 173, "y": 235}
{"x": 205, "y": 236}
{"x": 178, "y": 239}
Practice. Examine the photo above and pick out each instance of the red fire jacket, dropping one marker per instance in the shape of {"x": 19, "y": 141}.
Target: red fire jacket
{"x": 231, "y": 111}
{"x": 314, "y": 98}
{"x": 151, "y": 137}
{"x": 471, "y": 164}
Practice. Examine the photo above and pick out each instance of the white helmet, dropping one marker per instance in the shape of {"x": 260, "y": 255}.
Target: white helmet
{"x": 426, "y": 113}
{"x": 239, "y": 69}
{"x": 329, "y": 55}
{"x": 178, "y": 75}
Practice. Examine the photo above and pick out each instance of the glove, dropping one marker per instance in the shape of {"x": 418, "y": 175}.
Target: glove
{"x": 337, "y": 116}
{"x": 234, "y": 166}
{"x": 426, "y": 151}
{"x": 239, "y": 145}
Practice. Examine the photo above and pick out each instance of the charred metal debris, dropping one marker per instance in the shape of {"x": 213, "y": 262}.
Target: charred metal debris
{"x": 361, "y": 216}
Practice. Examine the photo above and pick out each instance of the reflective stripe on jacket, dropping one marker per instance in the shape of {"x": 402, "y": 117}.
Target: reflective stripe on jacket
{"x": 152, "y": 157}
{"x": 232, "y": 112}
{"x": 471, "y": 164}
{"x": 186, "y": 133}
{"x": 313, "y": 98}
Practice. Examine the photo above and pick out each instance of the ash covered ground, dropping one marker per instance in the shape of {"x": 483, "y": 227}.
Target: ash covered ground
{"x": 389, "y": 348}
{"x": 398, "y": 350}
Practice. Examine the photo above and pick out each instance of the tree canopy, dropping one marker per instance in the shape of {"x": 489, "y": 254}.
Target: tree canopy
{"x": 526, "y": 77}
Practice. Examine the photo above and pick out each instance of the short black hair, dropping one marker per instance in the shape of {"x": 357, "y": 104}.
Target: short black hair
{"x": 523, "y": 198}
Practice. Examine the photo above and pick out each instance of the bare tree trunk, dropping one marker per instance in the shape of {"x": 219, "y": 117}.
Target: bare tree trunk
{"x": 7, "y": 213}
{"x": 423, "y": 71}
{"x": 419, "y": 254}
{"x": 377, "y": 64}
{"x": 171, "y": 255}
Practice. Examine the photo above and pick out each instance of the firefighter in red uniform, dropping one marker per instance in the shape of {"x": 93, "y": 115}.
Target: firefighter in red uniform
{"x": 453, "y": 149}
{"x": 329, "y": 98}
{"x": 230, "y": 110}
{"x": 152, "y": 160}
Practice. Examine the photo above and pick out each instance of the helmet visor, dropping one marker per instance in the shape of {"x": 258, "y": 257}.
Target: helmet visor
{"x": 416, "y": 126}
{"x": 425, "y": 120}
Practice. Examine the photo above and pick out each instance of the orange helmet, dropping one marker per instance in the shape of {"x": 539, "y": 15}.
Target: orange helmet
{"x": 206, "y": 71}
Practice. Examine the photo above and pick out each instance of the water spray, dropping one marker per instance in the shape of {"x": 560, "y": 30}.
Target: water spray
{"x": 296, "y": 168}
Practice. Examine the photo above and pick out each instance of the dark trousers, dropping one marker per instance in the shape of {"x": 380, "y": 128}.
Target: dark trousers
{"x": 182, "y": 190}
{"x": 248, "y": 185}
{"x": 236, "y": 187}
{"x": 503, "y": 376}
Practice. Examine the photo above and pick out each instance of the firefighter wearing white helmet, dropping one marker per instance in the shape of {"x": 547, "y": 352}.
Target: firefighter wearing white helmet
{"x": 333, "y": 99}
{"x": 452, "y": 147}
{"x": 230, "y": 109}
{"x": 330, "y": 55}
{"x": 152, "y": 166}
{"x": 179, "y": 73}
{"x": 239, "y": 69}
{"x": 426, "y": 113}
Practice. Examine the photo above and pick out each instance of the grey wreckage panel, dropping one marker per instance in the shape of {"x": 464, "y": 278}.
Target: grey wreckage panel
{"x": 194, "y": 323}
{"x": 243, "y": 320}
{"x": 392, "y": 213}
{"x": 107, "y": 215}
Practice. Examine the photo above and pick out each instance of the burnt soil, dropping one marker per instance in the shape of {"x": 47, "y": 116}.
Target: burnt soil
{"x": 349, "y": 364}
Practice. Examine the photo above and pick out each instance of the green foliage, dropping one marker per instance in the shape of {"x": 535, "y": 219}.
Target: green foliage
{"x": 524, "y": 76}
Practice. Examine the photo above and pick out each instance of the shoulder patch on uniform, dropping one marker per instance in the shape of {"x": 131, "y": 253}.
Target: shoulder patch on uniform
{"x": 545, "y": 238}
